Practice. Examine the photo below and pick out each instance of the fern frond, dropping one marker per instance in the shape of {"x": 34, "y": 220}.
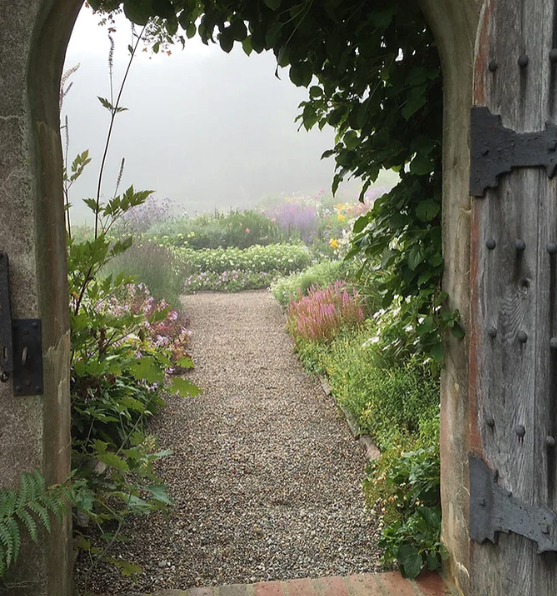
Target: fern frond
{"x": 39, "y": 481}
{"x": 26, "y": 491}
{"x": 41, "y": 512}
{"x": 27, "y": 520}
{"x": 3, "y": 566}
{"x": 5, "y": 539}
{"x": 14, "y": 540}
{"x": 8, "y": 500}
{"x": 30, "y": 507}
{"x": 56, "y": 505}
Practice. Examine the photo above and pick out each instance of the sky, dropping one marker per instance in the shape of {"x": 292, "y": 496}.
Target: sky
{"x": 208, "y": 130}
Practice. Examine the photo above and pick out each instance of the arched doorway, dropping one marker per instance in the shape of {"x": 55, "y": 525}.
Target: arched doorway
{"x": 35, "y": 430}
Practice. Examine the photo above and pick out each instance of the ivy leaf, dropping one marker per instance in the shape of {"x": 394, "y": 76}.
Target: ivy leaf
{"x": 410, "y": 560}
{"x": 163, "y": 9}
{"x": 351, "y": 139}
{"x": 421, "y": 165}
{"x": 437, "y": 352}
{"x": 436, "y": 260}
{"x": 191, "y": 30}
{"x": 426, "y": 326}
{"x": 309, "y": 116}
{"x": 427, "y": 210}
{"x": 360, "y": 224}
{"x": 246, "y": 45}
{"x": 138, "y": 11}
{"x": 226, "y": 40}
{"x": 415, "y": 257}
{"x": 272, "y": 4}
{"x": 315, "y": 91}
{"x": 432, "y": 561}
{"x": 301, "y": 74}
{"x": 458, "y": 330}
{"x": 413, "y": 104}
{"x": 238, "y": 30}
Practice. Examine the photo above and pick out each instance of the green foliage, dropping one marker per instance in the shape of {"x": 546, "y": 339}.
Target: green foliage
{"x": 405, "y": 485}
{"x": 155, "y": 266}
{"x": 233, "y": 281}
{"x": 320, "y": 274}
{"x": 278, "y": 258}
{"x": 29, "y": 507}
{"x": 123, "y": 346}
{"x": 239, "y": 229}
{"x": 117, "y": 374}
{"x": 388, "y": 401}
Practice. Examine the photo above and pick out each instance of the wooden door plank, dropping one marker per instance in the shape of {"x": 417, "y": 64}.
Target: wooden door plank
{"x": 515, "y": 384}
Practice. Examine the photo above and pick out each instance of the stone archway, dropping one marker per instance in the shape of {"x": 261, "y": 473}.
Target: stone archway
{"x": 35, "y": 430}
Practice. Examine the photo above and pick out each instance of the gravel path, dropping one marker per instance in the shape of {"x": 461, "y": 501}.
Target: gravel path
{"x": 265, "y": 475}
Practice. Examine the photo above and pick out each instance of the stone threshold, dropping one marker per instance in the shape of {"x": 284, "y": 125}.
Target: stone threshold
{"x": 377, "y": 584}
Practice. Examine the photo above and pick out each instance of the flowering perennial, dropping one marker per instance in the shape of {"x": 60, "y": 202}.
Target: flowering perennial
{"x": 319, "y": 315}
{"x": 163, "y": 326}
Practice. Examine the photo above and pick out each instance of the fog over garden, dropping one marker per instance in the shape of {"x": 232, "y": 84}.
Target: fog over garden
{"x": 206, "y": 129}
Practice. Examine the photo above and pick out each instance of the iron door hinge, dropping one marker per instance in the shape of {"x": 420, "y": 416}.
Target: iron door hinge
{"x": 495, "y": 150}
{"x": 493, "y": 509}
{"x": 21, "y": 350}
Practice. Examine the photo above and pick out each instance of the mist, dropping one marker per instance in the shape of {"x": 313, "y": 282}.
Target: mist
{"x": 208, "y": 130}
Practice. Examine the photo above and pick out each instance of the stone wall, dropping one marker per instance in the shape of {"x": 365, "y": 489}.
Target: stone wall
{"x": 35, "y": 431}
{"x": 455, "y": 23}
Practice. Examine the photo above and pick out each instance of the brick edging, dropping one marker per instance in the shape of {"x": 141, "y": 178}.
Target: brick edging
{"x": 377, "y": 584}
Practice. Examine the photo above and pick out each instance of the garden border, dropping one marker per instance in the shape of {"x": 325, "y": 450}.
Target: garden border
{"x": 363, "y": 439}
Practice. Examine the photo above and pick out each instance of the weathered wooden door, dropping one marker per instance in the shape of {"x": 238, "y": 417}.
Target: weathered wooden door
{"x": 513, "y": 349}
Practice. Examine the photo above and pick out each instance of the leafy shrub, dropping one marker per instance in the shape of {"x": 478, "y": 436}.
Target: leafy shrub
{"x": 123, "y": 343}
{"x": 405, "y": 485}
{"x": 154, "y": 266}
{"x": 319, "y": 315}
{"x": 280, "y": 258}
{"x": 118, "y": 369}
{"x": 228, "y": 281}
{"x": 239, "y": 229}
{"x": 320, "y": 274}
{"x": 387, "y": 401}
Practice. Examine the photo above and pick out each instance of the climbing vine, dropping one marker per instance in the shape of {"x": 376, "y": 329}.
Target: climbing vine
{"x": 372, "y": 71}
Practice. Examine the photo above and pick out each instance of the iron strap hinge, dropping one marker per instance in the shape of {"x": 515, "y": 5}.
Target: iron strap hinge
{"x": 493, "y": 509}
{"x": 495, "y": 150}
{"x": 21, "y": 349}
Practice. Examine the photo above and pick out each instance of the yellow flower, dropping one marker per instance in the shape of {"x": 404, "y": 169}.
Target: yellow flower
{"x": 340, "y": 217}
{"x": 333, "y": 243}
